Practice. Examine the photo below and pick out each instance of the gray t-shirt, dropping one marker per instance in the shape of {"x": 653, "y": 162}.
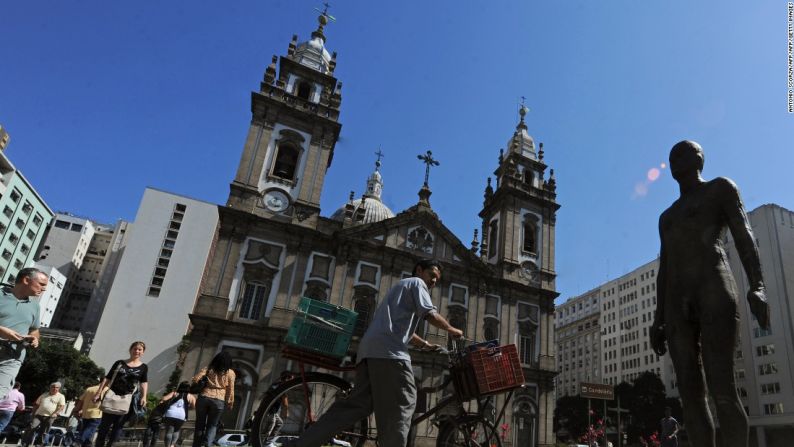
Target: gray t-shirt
{"x": 18, "y": 315}
{"x": 395, "y": 321}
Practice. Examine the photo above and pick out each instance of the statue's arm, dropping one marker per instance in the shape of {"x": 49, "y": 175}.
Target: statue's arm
{"x": 739, "y": 225}
{"x": 657, "y": 334}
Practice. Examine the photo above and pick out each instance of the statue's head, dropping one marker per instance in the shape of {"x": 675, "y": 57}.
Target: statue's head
{"x": 686, "y": 158}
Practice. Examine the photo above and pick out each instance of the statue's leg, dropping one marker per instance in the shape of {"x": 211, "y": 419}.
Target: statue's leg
{"x": 683, "y": 340}
{"x": 720, "y": 324}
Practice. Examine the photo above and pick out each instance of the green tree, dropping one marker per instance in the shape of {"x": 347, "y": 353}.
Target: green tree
{"x": 648, "y": 406}
{"x": 54, "y": 361}
{"x": 570, "y": 414}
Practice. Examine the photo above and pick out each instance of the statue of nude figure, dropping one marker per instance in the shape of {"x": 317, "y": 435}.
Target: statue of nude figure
{"x": 696, "y": 313}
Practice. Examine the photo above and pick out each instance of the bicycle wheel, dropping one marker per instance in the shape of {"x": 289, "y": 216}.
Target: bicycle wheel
{"x": 303, "y": 410}
{"x": 469, "y": 431}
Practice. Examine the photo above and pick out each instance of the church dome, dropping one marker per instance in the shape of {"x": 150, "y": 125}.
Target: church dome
{"x": 313, "y": 54}
{"x": 373, "y": 208}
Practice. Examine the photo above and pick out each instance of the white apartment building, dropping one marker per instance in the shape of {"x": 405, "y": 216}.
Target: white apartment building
{"x": 628, "y": 304}
{"x": 48, "y": 301}
{"x": 66, "y": 244}
{"x": 109, "y": 246}
{"x": 577, "y": 337}
{"x": 765, "y": 364}
{"x": 71, "y": 313}
{"x": 602, "y": 335}
{"x": 157, "y": 282}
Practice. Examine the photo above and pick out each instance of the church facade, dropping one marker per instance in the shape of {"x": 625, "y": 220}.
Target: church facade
{"x": 274, "y": 246}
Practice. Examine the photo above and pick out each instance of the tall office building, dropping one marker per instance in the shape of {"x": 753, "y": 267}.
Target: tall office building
{"x": 577, "y": 334}
{"x": 48, "y": 301}
{"x": 765, "y": 362}
{"x": 621, "y": 313}
{"x": 24, "y": 217}
{"x": 79, "y": 248}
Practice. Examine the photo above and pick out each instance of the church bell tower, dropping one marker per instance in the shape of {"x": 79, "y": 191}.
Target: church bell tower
{"x": 293, "y": 132}
{"x": 519, "y": 213}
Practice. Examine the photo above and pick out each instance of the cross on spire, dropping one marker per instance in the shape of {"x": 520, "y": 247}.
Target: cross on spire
{"x": 380, "y": 155}
{"x": 324, "y": 12}
{"x": 429, "y": 161}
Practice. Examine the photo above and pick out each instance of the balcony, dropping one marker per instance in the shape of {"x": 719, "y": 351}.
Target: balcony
{"x": 209, "y": 305}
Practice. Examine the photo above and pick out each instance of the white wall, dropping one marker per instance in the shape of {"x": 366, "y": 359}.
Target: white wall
{"x": 48, "y": 301}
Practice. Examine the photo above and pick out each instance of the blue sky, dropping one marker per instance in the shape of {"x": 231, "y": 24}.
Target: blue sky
{"x": 105, "y": 98}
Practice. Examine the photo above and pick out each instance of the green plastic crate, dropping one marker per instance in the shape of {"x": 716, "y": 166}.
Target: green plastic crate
{"x": 322, "y": 327}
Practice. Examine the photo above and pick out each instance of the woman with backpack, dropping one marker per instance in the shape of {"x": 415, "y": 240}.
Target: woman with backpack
{"x": 171, "y": 412}
{"x": 215, "y": 388}
{"x": 179, "y": 402}
{"x": 124, "y": 379}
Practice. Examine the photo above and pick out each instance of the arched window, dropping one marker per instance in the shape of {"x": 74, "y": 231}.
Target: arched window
{"x": 527, "y": 177}
{"x": 304, "y": 90}
{"x": 364, "y": 305}
{"x": 253, "y": 303}
{"x": 287, "y": 157}
{"x": 530, "y": 234}
{"x": 493, "y": 238}
{"x": 457, "y": 318}
{"x": 490, "y": 329}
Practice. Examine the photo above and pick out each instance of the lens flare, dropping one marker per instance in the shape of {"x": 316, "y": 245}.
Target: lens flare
{"x": 663, "y": 165}
{"x": 653, "y": 174}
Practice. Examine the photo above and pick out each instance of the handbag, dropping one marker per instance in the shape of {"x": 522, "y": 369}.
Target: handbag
{"x": 198, "y": 387}
{"x": 113, "y": 403}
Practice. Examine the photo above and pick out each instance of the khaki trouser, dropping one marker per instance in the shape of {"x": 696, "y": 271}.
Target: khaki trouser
{"x": 393, "y": 400}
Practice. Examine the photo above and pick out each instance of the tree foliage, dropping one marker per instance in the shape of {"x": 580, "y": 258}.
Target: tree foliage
{"x": 54, "y": 361}
{"x": 571, "y": 414}
{"x": 644, "y": 399}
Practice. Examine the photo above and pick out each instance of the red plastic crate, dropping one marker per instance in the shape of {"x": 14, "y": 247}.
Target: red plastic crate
{"x": 496, "y": 369}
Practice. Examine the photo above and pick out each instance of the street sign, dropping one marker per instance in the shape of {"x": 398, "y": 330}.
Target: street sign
{"x": 596, "y": 391}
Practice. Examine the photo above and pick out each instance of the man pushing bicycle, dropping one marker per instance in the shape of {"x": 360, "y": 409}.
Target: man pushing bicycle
{"x": 383, "y": 357}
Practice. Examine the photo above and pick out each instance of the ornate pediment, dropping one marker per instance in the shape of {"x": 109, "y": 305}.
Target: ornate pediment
{"x": 417, "y": 231}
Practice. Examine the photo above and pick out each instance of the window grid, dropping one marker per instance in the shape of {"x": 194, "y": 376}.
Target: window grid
{"x": 166, "y": 250}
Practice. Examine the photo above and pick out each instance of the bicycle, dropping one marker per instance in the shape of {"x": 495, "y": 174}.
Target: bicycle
{"x": 310, "y": 394}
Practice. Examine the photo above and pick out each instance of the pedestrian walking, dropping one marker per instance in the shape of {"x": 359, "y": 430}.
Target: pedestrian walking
{"x": 87, "y": 410}
{"x": 279, "y": 411}
{"x": 13, "y": 402}
{"x": 46, "y": 409}
{"x": 171, "y": 412}
{"x": 215, "y": 387}
{"x": 19, "y": 323}
{"x": 177, "y": 407}
{"x": 669, "y": 429}
{"x": 122, "y": 379}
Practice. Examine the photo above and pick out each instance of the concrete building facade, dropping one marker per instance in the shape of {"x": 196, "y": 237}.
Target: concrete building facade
{"x": 106, "y": 248}
{"x": 49, "y": 300}
{"x": 156, "y": 283}
{"x": 764, "y": 367}
{"x": 577, "y": 334}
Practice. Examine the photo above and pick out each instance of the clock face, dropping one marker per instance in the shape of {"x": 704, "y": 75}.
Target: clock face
{"x": 276, "y": 200}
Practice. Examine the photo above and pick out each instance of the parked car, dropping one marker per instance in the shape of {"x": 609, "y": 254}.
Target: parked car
{"x": 279, "y": 440}
{"x": 232, "y": 439}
